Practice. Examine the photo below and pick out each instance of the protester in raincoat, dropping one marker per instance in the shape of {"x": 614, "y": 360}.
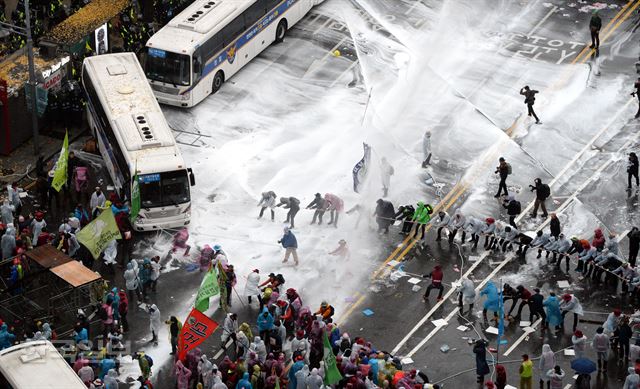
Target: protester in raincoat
{"x": 6, "y": 337}
{"x": 244, "y": 383}
{"x": 6, "y": 212}
{"x": 37, "y": 225}
{"x": 206, "y": 255}
{"x": 547, "y": 362}
{"x": 8, "y": 243}
{"x": 466, "y": 294}
{"x": 182, "y": 375}
{"x": 554, "y": 317}
{"x": 154, "y": 322}
{"x": 335, "y": 206}
{"x": 386, "y": 171}
{"x": 252, "y": 289}
{"x": 111, "y": 379}
{"x": 492, "y": 303}
{"x": 268, "y": 200}
{"x": 633, "y": 379}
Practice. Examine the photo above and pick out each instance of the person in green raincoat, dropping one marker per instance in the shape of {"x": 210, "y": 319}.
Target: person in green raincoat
{"x": 421, "y": 217}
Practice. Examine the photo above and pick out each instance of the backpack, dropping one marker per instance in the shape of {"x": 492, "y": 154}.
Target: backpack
{"x": 149, "y": 360}
{"x": 545, "y": 191}
{"x": 509, "y": 169}
{"x": 102, "y": 313}
{"x": 518, "y": 207}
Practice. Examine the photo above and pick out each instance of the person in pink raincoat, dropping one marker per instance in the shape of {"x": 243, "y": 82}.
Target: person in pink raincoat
{"x": 205, "y": 258}
{"x": 335, "y": 206}
{"x": 180, "y": 241}
{"x": 182, "y": 375}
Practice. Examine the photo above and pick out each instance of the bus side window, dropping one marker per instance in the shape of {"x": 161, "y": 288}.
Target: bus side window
{"x": 197, "y": 65}
{"x": 232, "y": 30}
{"x": 256, "y": 11}
{"x": 271, "y": 4}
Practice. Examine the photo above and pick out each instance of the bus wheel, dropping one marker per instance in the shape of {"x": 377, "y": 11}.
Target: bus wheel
{"x": 218, "y": 80}
{"x": 281, "y": 30}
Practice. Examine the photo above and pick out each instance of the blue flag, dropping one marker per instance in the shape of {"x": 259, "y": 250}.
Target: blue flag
{"x": 360, "y": 170}
{"x": 501, "y": 314}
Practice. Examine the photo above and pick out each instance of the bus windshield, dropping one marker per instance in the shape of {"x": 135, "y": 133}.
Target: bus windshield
{"x": 165, "y": 66}
{"x": 164, "y": 189}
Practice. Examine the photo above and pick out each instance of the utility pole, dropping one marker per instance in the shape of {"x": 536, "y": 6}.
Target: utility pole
{"x": 26, "y": 32}
{"x": 32, "y": 80}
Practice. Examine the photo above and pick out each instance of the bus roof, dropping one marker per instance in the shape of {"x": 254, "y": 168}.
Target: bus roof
{"x": 135, "y": 115}
{"x": 37, "y": 365}
{"x": 191, "y": 27}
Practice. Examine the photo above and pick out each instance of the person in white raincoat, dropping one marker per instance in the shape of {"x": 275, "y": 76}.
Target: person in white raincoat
{"x": 6, "y": 212}
{"x": 259, "y": 348}
{"x": 314, "y": 381}
{"x": 466, "y": 294}
{"x": 426, "y": 148}
{"x": 205, "y": 370}
{"x": 386, "y": 171}
{"x": 570, "y": 303}
{"x": 547, "y": 362}
{"x": 154, "y": 322}
{"x": 111, "y": 253}
{"x": 252, "y": 289}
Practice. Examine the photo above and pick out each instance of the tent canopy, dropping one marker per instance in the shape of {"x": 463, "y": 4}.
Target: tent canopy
{"x": 86, "y": 20}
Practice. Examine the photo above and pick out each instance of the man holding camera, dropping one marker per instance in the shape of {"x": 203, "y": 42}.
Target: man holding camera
{"x": 542, "y": 193}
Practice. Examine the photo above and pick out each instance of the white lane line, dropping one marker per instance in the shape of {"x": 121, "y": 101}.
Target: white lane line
{"x": 219, "y": 353}
{"x": 523, "y": 337}
{"x": 530, "y": 33}
{"x": 435, "y": 307}
{"x": 455, "y": 311}
{"x": 315, "y": 65}
{"x": 356, "y": 62}
{"x": 323, "y": 25}
{"x": 568, "y": 386}
{"x": 581, "y": 152}
{"x": 418, "y": 2}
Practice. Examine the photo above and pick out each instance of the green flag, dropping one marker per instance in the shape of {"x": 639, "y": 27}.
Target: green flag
{"x": 208, "y": 288}
{"x": 97, "y": 234}
{"x": 135, "y": 198}
{"x": 331, "y": 373}
{"x": 60, "y": 175}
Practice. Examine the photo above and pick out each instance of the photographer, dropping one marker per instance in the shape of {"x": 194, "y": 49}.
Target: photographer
{"x": 542, "y": 193}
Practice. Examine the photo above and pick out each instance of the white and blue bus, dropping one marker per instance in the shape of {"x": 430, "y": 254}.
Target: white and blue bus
{"x": 211, "y": 40}
{"x": 134, "y": 138}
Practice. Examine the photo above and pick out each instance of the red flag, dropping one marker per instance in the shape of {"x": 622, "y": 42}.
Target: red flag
{"x": 195, "y": 330}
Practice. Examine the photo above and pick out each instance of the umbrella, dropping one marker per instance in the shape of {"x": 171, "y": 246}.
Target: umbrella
{"x": 583, "y": 366}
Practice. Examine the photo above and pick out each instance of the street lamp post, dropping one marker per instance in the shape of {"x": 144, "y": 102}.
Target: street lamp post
{"x": 26, "y": 32}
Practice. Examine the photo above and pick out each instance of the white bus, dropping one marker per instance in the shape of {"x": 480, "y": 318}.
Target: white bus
{"x": 36, "y": 365}
{"x": 210, "y": 41}
{"x": 133, "y": 134}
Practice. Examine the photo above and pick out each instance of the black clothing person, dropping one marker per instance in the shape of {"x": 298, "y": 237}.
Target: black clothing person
{"x": 636, "y": 85}
{"x": 529, "y": 100}
{"x": 634, "y": 245}
{"x": 503, "y": 170}
{"x": 632, "y": 169}
{"x": 595, "y": 24}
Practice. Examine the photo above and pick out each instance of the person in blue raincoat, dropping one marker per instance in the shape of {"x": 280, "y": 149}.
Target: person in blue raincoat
{"x": 115, "y": 303}
{"x": 492, "y": 303}
{"x": 554, "y": 316}
{"x": 6, "y": 337}
{"x": 265, "y": 323}
{"x": 244, "y": 383}
{"x": 293, "y": 382}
